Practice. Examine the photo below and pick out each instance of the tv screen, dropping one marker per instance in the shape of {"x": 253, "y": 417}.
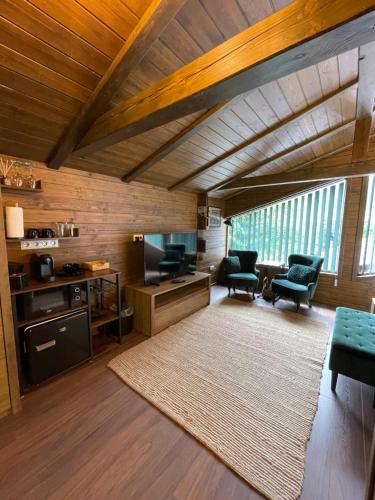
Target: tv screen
{"x": 167, "y": 256}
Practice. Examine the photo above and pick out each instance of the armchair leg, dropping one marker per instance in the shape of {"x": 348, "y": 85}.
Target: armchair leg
{"x": 334, "y": 381}
{"x": 228, "y": 291}
{"x": 253, "y": 294}
{"x": 273, "y": 299}
{"x": 309, "y": 304}
{"x": 298, "y": 306}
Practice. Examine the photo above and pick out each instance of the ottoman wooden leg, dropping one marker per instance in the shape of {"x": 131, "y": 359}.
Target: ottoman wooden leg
{"x": 334, "y": 381}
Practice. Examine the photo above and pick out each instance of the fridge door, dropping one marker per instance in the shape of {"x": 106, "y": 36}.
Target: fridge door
{"x": 54, "y": 345}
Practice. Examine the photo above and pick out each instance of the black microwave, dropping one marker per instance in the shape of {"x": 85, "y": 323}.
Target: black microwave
{"x": 43, "y": 302}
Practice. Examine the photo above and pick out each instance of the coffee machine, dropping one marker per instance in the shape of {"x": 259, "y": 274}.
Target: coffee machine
{"x": 42, "y": 267}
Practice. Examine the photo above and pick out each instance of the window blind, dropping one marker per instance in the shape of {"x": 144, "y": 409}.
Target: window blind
{"x": 367, "y": 256}
{"x": 309, "y": 223}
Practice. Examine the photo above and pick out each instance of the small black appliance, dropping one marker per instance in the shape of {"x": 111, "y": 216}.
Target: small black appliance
{"x": 55, "y": 345}
{"x": 15, "y": 267}
{"x": 17, "y": 281}
{"x": 33, "y": 233}
{"x": 42, "y": 267}
{"x": 76, "y": 295}
{"x": 40, "y": 303}
{"x": 70, "y": 269}
{"x": 47, "y": 233}
{"x": 17, "y": 278}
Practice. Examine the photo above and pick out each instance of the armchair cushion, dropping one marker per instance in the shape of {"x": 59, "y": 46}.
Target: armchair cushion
{"x": 301, "y": 274}
{"x": 242, "y": 277}
{"x": 282, "y": 284}
{"x": 248, "y": 259}
{"x": 232, "y": 265}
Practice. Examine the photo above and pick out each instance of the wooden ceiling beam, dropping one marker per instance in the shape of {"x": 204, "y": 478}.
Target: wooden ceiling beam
{"x": 233, "y": 194}
{"x": 176, "y": 141}
{"x": 365, "y": 101}
{"x": 341, "y": 149}
{"x": 298, "y": 36}
{"x": 313, "y": 174}
{"x": 282, "y": 155}
{"x": 148, "y": 30}
{"x": 264, "y": 134}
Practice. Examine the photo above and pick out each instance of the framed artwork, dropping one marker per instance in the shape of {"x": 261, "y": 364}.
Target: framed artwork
{"x": 214, "y": 217}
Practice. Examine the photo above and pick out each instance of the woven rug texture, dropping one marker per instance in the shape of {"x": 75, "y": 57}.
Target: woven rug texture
{"x": 242, "y": 379}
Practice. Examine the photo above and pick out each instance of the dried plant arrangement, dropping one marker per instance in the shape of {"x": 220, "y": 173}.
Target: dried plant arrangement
{"x": 5, "y": 167}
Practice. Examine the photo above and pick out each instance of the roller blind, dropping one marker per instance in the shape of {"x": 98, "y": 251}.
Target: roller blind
{"x": 367, "y": 257}
{"x": 309, "y": 223}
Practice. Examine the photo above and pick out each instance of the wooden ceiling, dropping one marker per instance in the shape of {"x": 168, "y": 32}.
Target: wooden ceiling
{"x": 53, "y": 55}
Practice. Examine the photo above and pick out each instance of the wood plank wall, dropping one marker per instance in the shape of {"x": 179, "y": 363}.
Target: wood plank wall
{"x": 215, "y": 243}
{"x": 107, "y": 212}
{"x": 351, "y": 290}
{"x": 5, "y": 406}
{"x": 5, "y": 401}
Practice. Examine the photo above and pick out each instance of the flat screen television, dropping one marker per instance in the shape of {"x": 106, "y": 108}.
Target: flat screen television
{"x": 168, "y": 256}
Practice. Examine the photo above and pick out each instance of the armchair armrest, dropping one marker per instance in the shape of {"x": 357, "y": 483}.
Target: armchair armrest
{"x": 311, "y": 288}
{"x": 280, "y": 276}
{"x": 257, "y": 272}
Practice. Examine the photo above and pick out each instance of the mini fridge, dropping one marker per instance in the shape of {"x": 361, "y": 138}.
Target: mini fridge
{"x": 52, "y": 346}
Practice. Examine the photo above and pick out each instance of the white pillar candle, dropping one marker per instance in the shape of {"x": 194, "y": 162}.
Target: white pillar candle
{"x": 14, "y": 222}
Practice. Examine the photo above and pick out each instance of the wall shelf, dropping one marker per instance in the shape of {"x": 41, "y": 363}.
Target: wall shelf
{"x": 17, "y": 240}
{"x": 104, "y": 319}
{"x": 38, "y": 243}
{"x": 23, "y": 190}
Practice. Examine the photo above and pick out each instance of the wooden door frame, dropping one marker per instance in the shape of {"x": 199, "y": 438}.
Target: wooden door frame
{"x": 7, "y": 319}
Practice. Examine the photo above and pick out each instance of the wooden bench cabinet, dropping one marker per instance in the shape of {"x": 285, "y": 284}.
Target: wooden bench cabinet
{"x": 157, "y": 307}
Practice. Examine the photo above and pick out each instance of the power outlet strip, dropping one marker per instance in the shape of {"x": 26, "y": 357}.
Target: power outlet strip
{"x": 38, "y": 244}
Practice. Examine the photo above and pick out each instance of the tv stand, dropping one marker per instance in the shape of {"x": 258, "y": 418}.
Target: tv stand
{"x": 156, "y": 309}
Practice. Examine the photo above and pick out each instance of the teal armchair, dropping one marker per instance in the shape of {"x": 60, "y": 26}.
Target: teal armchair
{"x": 299, "y": 284}
{"x": 240, "y": 271}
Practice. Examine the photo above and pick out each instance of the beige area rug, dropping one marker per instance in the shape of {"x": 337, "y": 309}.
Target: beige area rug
{"x": 244, "y": 380}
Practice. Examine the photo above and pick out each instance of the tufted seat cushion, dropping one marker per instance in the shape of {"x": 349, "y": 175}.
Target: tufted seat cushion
{"x": 290, "y": 285}
{"x": 242, "y": 277}
{"x": 355, "y": 331}
{"x": 353, "y": 345}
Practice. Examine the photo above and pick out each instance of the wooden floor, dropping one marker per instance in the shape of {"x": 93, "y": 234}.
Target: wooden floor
{"x": 87, "y": 435}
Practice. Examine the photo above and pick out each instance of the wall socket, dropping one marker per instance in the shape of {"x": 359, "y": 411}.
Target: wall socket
{"x": 137, "y": 237}
{"x": 211, "y": 269}
{"x": 335, "y": 282}
{"x": 39, "y": 244}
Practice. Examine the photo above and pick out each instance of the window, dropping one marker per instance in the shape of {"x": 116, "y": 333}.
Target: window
{"x": 367, "y": 257}
{"x": 309, "y": 223}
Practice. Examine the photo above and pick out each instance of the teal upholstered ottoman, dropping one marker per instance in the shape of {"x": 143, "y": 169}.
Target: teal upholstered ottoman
{"x": 353, "y": 346}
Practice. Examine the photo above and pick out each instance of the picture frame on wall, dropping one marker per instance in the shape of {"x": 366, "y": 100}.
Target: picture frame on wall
{"x": 214, "y": 217}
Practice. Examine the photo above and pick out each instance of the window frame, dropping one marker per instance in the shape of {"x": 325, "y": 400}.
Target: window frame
{"x": 356, "y": 276}
{"x": 307, "y": 191}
